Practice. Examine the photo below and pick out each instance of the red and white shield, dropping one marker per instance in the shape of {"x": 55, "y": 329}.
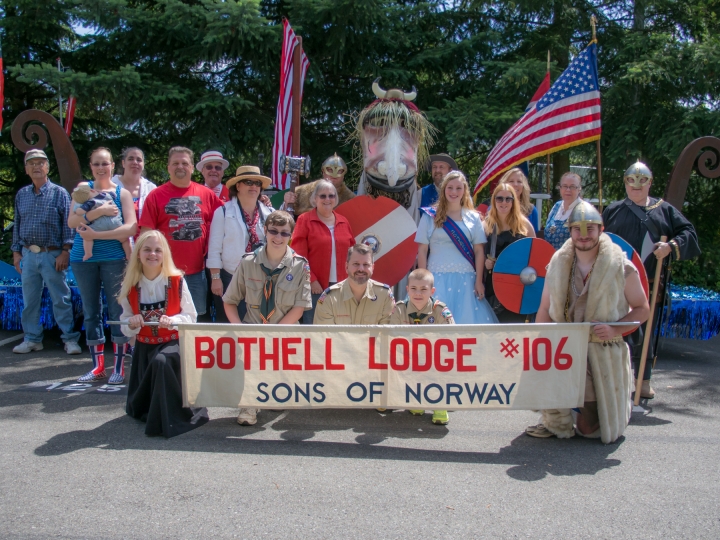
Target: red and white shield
{"x": 386, "y": 227}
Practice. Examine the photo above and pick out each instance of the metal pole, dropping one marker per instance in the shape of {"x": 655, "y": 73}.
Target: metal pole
{"x": 599, "y": 175}
{"x": 297, "y": 74}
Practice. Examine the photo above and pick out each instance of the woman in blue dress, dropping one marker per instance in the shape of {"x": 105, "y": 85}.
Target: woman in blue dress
{"x": 556, "y": 230}
{"x": 451, "y": 241}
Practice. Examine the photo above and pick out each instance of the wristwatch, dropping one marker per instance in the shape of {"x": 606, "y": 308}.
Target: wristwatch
{"x": 215, "y": 276}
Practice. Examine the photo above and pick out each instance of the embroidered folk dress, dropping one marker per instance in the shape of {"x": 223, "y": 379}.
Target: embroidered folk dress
{"x": 454, "y": 275}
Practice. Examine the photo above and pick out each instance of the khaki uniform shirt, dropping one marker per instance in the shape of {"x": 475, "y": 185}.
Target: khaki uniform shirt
{"x": 437, "y": 313}
{"x": 304, "y": 191}
{"x": 337, "y": 305}
{"x": 292, "y": 285}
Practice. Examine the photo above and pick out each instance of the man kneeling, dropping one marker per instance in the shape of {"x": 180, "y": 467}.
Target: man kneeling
{"x": 590, "y": 279}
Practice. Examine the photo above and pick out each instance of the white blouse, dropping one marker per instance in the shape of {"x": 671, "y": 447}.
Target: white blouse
{"x": 153, "y": 291}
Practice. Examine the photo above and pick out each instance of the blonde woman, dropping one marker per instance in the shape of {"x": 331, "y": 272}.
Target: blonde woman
{"x": 153, "y": 290}
{"x": 450, "y": 241}
{"x": 519, "y": 182}
{"x": 506, "y": 221}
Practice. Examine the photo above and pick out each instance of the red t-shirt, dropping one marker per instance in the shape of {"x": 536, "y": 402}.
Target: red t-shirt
{"x": 183, "y": 215}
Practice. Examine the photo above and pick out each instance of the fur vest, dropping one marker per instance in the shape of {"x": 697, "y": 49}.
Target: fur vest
{"x": 610, "y": 363}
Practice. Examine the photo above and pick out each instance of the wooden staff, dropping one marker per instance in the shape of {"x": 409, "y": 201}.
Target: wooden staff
{"x": 648, "y": 328}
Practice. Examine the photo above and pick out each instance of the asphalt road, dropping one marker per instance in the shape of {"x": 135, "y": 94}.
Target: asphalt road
{"x": 73, "y": 465}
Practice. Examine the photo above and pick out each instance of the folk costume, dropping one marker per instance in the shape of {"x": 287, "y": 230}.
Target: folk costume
{"x": 452, "y": 262}
{"x": 600, "y": 298}
{"x": 557, "y": 231}
{"x": 642, "y": 227}
{"x": 155, "y": 388}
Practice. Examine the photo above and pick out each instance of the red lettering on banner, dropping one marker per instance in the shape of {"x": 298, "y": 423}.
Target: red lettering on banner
{"x": 247, "y": 354}
{"x": 309, "y": 366}
{"x": 562, "y": 360}
{"x": 274, "y": 355}
{"x": 328, "y": 357}
{"x": 526, "y": 354}
{"x": 445, "y": 364}
{"x": 463, "y": 351}
{"x": 287, "y": 351}
{"x": 201, "y": 352}
{"x": 416, "y": 365}
{"x": 405, "y": 352}
{"x": 372, "y": 364}
{"x": 547, "y": 364}
{"x": 230, "y": 342}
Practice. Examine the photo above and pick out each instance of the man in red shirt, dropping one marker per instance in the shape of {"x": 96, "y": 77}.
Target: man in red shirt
{"x": 212, "y": 166}
{"x": 182, "y": 210}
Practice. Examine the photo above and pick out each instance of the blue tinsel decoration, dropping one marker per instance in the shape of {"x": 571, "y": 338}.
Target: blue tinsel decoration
{"x": 694, "y": 314}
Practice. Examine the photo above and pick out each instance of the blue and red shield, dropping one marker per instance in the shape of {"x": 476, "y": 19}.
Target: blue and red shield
{"x": 519, "y": 274}
{"x": 633, "y": 256}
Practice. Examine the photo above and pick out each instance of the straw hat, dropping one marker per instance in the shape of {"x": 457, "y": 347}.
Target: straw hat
{"x": 249, "y": 172}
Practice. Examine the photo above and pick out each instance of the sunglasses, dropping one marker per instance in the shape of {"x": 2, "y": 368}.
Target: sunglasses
{"x": 103, "y": 164}
{"x": 501, "y": 199}
{"x": 211, "y": 167}
{"x": 330, "y": 196}
{"x": 275, "y": 232}
{"x": 256, "y": 183}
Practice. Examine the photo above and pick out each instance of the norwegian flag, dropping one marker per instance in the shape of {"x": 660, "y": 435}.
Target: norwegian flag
{"x": 567, "y": 115}
{"x": 283, "y": 120}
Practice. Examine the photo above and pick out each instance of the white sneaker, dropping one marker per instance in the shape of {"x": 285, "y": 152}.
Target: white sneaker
{"x": 247, "y": 417}
{"x": 28, "y": 346}
{"x": 72, "y": 347}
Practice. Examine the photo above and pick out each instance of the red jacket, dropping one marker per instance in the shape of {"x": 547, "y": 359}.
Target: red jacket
{"x": 311, "y": 239}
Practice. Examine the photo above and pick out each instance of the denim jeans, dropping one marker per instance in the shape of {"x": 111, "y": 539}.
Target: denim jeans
{"x": 90, "y": 276}
{"x": 37, "y": 268}
{"x": 197, "y": 284}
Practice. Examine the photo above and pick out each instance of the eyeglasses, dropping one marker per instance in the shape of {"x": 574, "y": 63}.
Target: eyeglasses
{"x": 274, "y": 232}
{"x": 211, "y": 167}
{"x": 103, "y": 164}
{"x": 501, "y": 199}
{"x": 256, "y": 183}
{"x": 571, "y": 188}
{"x": 330, "y": 196}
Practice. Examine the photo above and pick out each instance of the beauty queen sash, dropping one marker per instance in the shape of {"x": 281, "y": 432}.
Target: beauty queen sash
{"x": 458, "y": 237}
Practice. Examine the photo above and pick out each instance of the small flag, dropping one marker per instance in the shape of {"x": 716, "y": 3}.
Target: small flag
{"x": 567, "y": 115}
{"x": 283, "y": 121}
{"x": 70, "y": 114}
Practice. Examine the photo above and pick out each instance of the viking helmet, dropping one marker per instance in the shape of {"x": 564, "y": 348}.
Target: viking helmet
{"x": 638, "y": 175}
{"x": 393, "y": 93}
{"x": 334, "y": 167}
{"x": 583, "y": 214}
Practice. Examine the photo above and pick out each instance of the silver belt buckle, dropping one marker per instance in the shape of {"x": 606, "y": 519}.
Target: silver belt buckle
{"x": 35, "y": 249}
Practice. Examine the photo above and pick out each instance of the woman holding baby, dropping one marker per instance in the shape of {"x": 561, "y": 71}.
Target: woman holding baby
{"x": 105, "y": 267}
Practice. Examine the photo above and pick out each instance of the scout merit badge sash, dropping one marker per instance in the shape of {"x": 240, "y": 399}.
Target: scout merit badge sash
{"x": 458, "y": 237}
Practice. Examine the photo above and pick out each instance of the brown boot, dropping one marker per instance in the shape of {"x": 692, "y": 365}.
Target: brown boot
{"x": 646, "y": 392}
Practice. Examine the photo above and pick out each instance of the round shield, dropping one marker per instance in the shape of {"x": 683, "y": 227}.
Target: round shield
{"x": 519, "y": 274}
{"x": 388, "y": 229}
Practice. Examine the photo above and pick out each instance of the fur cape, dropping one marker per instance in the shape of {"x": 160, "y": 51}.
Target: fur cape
{"x": 610, "y": 363}
{"x": 304, "y": 191}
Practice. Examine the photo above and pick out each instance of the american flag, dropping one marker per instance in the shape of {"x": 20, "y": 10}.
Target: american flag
{"x": 567, "y": 115}
{"x": 283, "y": 120}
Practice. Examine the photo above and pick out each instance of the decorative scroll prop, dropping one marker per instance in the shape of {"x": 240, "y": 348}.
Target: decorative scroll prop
{"x": 539, "y": 366}
{"x": 519, "y": 274}
{"x": 388, "y": 229}
{"x": 703, "y": 154}
{"x": 27, "y": 136}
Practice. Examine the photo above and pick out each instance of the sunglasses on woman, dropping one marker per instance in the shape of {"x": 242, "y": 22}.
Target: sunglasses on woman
{"x": 501, "y": 199}
{"x": 256, "y": 183}
{"x": 275, "y": 232}
{"x": 330, "y": 196}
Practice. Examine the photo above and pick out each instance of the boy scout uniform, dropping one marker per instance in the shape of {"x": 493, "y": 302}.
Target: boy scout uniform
{"x": 434, "y": 312}
{"x": 337, "y": 305}
{"x": 291, "y": 286}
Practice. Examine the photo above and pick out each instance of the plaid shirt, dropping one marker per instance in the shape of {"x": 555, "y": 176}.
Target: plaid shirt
{"x": 41, "y": 218}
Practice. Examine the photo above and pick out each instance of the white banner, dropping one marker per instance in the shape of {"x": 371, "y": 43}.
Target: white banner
{"x": 504, "y": 366}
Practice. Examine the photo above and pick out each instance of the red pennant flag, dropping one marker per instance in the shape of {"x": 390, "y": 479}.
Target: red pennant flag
{"x": 70, "y": 114}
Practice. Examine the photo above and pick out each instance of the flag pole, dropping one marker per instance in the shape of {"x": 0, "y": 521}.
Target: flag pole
{"x": 547, "y": 157}
{"x": 593, "y": 24}
{"x": 59, "y": 95}
{"x": 297, "y": 75}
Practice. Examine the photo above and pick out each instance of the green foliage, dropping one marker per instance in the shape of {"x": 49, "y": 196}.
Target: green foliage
{"x": 205, "y": 74}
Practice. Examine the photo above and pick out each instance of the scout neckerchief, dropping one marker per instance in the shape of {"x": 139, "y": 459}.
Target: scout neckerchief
{"x": 417, "y": 318}
{"x": 457, "y": 236}
{"x": 267, "y": 302}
